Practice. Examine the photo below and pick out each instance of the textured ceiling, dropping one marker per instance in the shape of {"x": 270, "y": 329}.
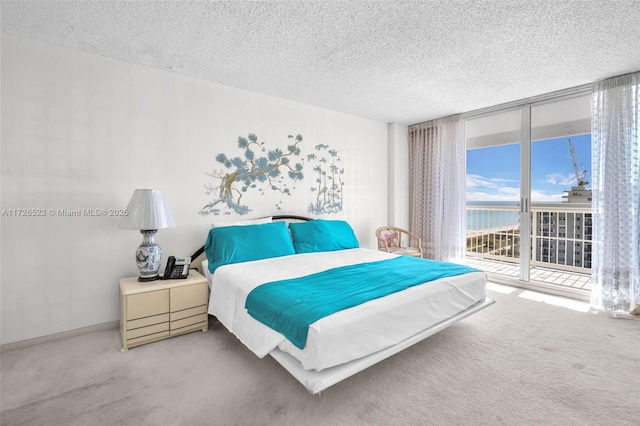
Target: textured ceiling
{"x": 393, "y": 61}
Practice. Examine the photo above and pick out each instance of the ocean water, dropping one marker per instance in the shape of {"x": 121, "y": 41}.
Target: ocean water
{"x": 483, "y": 219}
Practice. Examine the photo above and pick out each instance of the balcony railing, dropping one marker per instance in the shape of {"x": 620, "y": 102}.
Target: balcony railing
{"x": 560, "y": 235}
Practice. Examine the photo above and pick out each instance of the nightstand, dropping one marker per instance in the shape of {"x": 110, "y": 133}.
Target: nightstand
{"x": 156, "y": 310}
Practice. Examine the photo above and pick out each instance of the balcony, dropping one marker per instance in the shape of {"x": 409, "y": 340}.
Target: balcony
{"x": 560, "y": 243}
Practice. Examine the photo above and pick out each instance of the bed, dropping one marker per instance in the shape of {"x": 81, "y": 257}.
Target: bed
{"x": 348, "y": 340}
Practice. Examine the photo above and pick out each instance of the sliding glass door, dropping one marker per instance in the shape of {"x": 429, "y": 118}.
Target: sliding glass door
{"x": 561, "y": 192}
{"x": 528, "y": 199}
{"x": 493, "y": 191}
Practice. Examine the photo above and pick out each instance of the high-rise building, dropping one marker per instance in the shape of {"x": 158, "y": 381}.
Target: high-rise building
{"x": 564, "y": 237}
{"x": 578, "y": 194}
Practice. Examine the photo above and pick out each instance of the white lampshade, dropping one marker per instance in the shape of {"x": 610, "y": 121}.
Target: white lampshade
{"x": 147, "y": 210}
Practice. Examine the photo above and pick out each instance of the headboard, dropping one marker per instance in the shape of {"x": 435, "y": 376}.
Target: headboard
{"x": 199, "y": 255}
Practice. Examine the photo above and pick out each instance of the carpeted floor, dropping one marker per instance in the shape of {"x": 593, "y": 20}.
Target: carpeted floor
{"x": 518, "y": 362}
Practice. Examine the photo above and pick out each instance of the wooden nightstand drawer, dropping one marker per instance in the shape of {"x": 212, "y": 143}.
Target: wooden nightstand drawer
{"x": 198, "y": 320}
{"x": 145, "y": 331}
{"x": 149, "y": 338}
{"x": 202, "y": 309}
{"x": 188, "y": 296}
{"x": 147, "y": 304}
{"x": 152, "y": 311}
{"x": 144, "y": 322}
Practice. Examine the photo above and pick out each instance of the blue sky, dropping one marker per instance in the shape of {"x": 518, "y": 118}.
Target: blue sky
{"x": 493, "y": 173}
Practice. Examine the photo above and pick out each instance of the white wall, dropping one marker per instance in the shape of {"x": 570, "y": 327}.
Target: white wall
{"x": 82, "y": 131}
{"x": 398, "y": 175}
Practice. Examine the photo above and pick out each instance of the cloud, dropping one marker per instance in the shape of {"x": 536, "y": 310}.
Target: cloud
{"x": 481, "y": 188}
{"x": 544, "y": 197}
{"x": 565, "y": 180}
{"x": 478, "y": 180}
{"x": 513, "y": 195}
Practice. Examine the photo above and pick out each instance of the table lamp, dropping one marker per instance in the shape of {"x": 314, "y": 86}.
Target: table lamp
{"x": 148, "y": 212}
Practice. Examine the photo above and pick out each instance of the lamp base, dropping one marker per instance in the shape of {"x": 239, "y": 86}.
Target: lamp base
{"x": 148, "y": 257}
{"x": 145, "y": 279}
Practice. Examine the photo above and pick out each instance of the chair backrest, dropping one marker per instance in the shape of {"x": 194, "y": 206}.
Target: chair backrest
{"x": 392, "y": 236}
{"x": 389, "y": 236}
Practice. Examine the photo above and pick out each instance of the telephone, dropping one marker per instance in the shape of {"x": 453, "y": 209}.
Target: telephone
{"x": 176, "y": 268}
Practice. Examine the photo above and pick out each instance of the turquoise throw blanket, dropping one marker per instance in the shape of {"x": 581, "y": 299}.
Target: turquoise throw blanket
{"x": 290, "y": 306}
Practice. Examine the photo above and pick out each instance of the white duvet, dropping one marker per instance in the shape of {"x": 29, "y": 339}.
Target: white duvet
{"x": 346, "y": 335}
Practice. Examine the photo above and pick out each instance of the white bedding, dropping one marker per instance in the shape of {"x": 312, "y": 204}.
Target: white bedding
{"x": 346, "y": 335}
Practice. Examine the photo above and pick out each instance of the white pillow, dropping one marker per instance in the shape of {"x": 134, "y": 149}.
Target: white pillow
{"x": 258, "y": 221}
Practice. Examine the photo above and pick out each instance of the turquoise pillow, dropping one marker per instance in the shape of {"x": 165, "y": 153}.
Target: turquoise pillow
{"x": 322, "y": 235}
{"x": 235, "y": 244}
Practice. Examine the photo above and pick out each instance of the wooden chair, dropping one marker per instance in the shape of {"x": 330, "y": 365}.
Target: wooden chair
{"x": 398, "y": 241}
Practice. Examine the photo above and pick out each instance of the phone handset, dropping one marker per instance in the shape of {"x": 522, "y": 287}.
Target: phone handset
{"x": 177, "y": 268}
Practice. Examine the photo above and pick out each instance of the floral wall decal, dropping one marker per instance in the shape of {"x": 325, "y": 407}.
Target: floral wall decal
{"x": 328, "y": 184}
{"x": 252, "y": 172}
{"x": 263, "y": 170}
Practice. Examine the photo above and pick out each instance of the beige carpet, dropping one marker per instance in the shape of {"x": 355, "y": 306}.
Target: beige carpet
{"x": 519, "y": 362}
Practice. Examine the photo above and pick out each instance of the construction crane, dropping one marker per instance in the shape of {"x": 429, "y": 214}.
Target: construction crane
{"x": 581, "y": 177}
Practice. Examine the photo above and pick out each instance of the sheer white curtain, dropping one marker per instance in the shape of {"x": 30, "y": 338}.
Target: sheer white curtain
{"x": 437, "y": 187}
{"x": 615, "y": 132}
